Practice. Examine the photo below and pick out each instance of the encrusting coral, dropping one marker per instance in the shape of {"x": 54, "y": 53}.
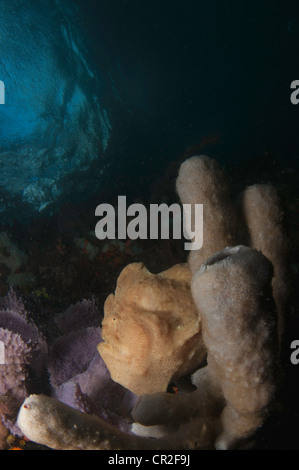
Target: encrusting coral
{"x": 231, "y": 315}
{"x": 166, "y": 343}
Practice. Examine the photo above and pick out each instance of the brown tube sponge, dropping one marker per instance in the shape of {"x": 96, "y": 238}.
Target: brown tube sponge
{"x": 232, "y": 290}
{"x": 50, "y": 422}
{"x": 263, "y": 214}
{"x": 151, "y": 329}
{"x": 202, "y": 181}
{"x": 173, "y": 410}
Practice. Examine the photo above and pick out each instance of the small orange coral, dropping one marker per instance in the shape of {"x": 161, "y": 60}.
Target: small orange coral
{"x": 151, "y": 329}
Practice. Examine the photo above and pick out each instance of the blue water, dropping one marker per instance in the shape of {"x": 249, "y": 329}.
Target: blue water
{"x": 98, "y": 90}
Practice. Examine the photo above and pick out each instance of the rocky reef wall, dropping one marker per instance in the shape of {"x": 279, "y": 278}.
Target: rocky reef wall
{"x": 53, "y": 121}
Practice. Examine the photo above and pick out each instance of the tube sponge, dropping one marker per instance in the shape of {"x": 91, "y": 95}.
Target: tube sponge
{"x": 151, "y": 329}
{"x": 47, "y": 421}
{"x": 263, "y": 214}
{"x": 232, "y": 290}
{"x": 256, "y": 220}
{"x": 202, "y": 181}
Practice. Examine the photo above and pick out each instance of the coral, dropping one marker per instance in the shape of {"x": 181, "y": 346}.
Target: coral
{"x": 13, "y": 372}
{"x": 72, "y": 353}
{"x": 80, "y": 315}
{"x": 151, "y": 329}
{"x": 14, "y": 318}
{"x": 24, "y": 349}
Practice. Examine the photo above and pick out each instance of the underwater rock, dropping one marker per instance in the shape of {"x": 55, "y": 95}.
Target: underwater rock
{"x": 10, "y": 255}
{"x": 151, "y": 329}
{"x": 9, "y": 408}
{"x": 86, "y": 247}
{"x": 14, "y": 259}
{"x": 53, "y": 123}
{"x": 25, "y": 281}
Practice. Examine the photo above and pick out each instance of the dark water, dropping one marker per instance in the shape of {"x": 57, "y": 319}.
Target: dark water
{"x": 202, "y": 69}
{"x": 175, "y": 79}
